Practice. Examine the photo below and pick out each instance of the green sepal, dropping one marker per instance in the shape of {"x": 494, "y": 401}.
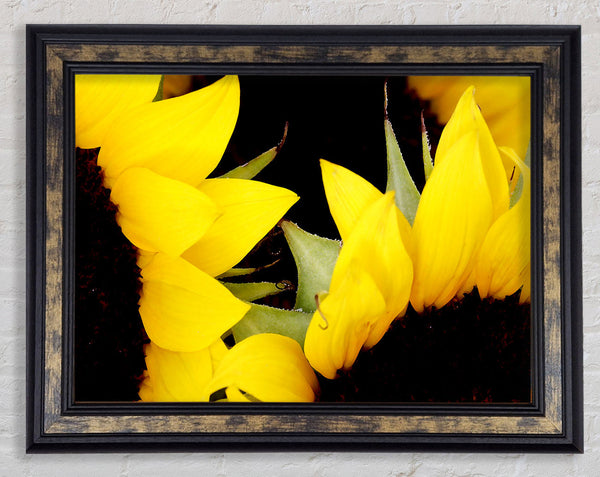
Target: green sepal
{"x": 315, "y": 259}
{"x": 255, "y": 290}
{"x": 398, "y": 177}
{"x": 266, "y": 319}
{"x": 253, "y": 167}
{"x": 238, "y": 272}
{"x": 427, "y": 160}
{"x": 159, "y": 93}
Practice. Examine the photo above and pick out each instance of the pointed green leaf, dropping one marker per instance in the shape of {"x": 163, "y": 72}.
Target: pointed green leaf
{"x": 266, "y": 319}
{"x": 253, "y": 167}
{"x": 250, "y": 169}
{"x": 238, "y": 272}
{"x": 399, "y": 179}
{"x": 427, "y": 161}
{"x": 255, "y": 291}
{"x": 315, "y": 258}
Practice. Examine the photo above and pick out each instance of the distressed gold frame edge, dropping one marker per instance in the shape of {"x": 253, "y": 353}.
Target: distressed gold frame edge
{"x": 56, "y": 423}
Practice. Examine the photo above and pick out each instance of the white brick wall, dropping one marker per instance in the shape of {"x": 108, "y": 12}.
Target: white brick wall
{"x": 14, "y": 14}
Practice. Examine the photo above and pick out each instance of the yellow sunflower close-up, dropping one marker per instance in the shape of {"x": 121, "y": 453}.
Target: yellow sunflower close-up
{"x": 154, "y": 157}
{"x": 464, "y": 235}
{"x": 210, "y": 290}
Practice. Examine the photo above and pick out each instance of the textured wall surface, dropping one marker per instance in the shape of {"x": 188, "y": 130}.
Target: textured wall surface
{"x": 14, "y": 14}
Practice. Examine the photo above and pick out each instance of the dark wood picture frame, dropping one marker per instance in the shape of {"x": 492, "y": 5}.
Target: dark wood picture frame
{"x": 549, "y": 55}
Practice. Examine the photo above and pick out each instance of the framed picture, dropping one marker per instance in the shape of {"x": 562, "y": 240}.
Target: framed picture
{"x": 293, "y": 238}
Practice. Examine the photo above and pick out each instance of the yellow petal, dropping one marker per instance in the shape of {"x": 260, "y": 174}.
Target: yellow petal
{"x": 505, "y": 253}
{"x": 183, "y": 308}
{"x": 270, "y": 367}
{"x": 465, "y": 119}
{"x": 100, "y": 99}
{"x": 343, "y": 321}
{"x": 376, "y": 246}
{"x": 179, "y": 376}
{"x": 453, "y": 217}
{"x": 161, "y": 214}
{"x": 370, "y": 286}
{"x": 250, "y": 210}
{"x": 461, "y": 123}
{"x": 347, "y": 195}
{"x": 182, "y": 138}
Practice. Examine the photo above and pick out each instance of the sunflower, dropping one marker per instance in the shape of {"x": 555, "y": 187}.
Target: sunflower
{"x": 401, "y": 250}
{"x": 155, "y": 157}
{"x": 464, "y": 234}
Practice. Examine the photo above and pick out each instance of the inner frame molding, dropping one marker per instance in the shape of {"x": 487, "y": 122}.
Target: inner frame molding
{"x": 549, "y": 55}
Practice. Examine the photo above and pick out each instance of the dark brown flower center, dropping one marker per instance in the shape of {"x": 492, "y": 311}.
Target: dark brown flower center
{"x": 109, "y": 335}
{"x": 471, "y": 350}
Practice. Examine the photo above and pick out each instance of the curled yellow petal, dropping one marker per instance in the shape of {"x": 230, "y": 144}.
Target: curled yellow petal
{"x": 183, "y": 308}
{"x": 502, "y": 266}
{"x": 161, "y": 214}
{"x": 182, "y": 138}
{"x": 100, "y": 99}
{"x": 250, "y": 210}
{"x": 269, "y": 367}
{"x": 467, "y": 118}
{"x": 453, "y": 217}
{"x": 179, "y": 376}
{"x": 347, "y": 195}
{"x": 343, "y": 321}
{"x": 376, "y": 245}
{"x": 370, "y": 286}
